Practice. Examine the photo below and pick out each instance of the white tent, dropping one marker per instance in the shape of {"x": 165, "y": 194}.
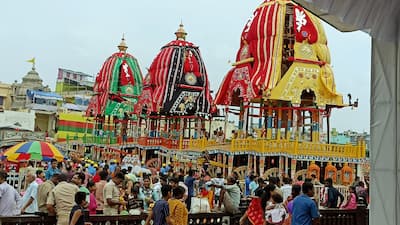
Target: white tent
{"x": 380, "y": 18}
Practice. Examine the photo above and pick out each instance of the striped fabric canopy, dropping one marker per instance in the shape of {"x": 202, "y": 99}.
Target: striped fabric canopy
{"x": 264, "y": 36}
{"x": 145, "y": 103}
{"x": 111, "y": 96}
{"x": 258, "y": 60}
{"x": 170, "y": 79}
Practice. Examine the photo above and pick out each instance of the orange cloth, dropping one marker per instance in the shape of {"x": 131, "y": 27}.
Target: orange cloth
{"x": 211, "y": 199}
{"x": 209, "y": 195}
{"x": 255, "y": 213}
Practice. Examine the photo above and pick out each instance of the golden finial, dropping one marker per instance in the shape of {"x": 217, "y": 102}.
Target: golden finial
{"x": 181, "y": 33}
{"x": 33, "y": 61}
{"x": 122, "y": 46}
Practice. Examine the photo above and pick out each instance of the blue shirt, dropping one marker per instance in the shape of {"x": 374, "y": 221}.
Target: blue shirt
{"x": 92, "y": 170}
{"x": 247, "y": 186}
{"x": 160, "y": 212}
{"x": 50, "y": 172}
{"x": 304, "y": 210}
{"x": 253, "y": 186}
{"x": 189, "y": 184}
{"x": 164, "y": 171}
{"x": 112, "y": 167}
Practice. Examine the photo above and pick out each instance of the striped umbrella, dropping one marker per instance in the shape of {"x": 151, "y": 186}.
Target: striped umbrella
{"x": 33, "y": 150}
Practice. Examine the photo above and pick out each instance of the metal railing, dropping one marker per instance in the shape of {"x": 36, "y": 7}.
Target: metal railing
{"x": 292, "y": 148}
{"x": 359, "y": 216}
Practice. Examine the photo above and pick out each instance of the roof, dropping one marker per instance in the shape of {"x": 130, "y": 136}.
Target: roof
{"x": 75, "y": 72}
{"x": 75, "y": 107}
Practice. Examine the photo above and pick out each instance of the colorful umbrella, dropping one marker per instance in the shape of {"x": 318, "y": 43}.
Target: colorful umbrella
{"x": 33, "y": 150}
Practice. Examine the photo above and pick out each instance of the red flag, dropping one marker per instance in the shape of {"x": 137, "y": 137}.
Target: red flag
{"x": 304, "y": 27}
{"x": 125, "y": 74}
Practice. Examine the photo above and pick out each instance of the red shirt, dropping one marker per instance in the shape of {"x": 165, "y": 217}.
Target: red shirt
{"x": 96, "y": 178}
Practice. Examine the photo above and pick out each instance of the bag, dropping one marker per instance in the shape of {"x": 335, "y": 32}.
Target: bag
{"x": 200, "y": 205}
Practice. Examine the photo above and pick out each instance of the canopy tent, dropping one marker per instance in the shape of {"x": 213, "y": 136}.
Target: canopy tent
{"x": 380, "y": 19}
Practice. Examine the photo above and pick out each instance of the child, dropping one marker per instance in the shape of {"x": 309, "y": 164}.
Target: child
{"x": 76, "y": 217}
{"x": 134, "y": 204}
{"x": 276, "y": 212}
{"x": 92, "y": 202}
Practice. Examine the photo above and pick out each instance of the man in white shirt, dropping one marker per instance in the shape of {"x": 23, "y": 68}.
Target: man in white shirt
{"x": 29, "y": 200}
{"x": 9, "y": 197}
{"x": 230, "y": 195}
{"x": 286, "y": 188}
{"x": 219, "y": 180}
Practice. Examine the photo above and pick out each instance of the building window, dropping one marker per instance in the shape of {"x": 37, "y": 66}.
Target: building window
{"x": 1, "y": 100}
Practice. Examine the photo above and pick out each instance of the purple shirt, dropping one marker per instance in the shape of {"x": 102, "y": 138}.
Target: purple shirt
{"x": 290, "y": 207}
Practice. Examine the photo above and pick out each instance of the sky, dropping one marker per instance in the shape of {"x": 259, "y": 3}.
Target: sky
{"x": 80, "y": 35}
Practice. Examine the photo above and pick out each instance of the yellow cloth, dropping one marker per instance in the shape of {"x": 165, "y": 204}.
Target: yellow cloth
{"x": 178, "y": 212}
{"x": 210, "y": 196}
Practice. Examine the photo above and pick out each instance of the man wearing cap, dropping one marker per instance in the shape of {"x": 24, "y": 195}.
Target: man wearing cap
{"x": 43, "y": 192}
{"x": 164, "y": 170}
{"x": 111, "y": 195}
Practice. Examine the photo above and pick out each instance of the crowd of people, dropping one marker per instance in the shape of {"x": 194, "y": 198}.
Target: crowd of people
{"x": 66, "y": 190}
{"x": 296, "y": 203}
